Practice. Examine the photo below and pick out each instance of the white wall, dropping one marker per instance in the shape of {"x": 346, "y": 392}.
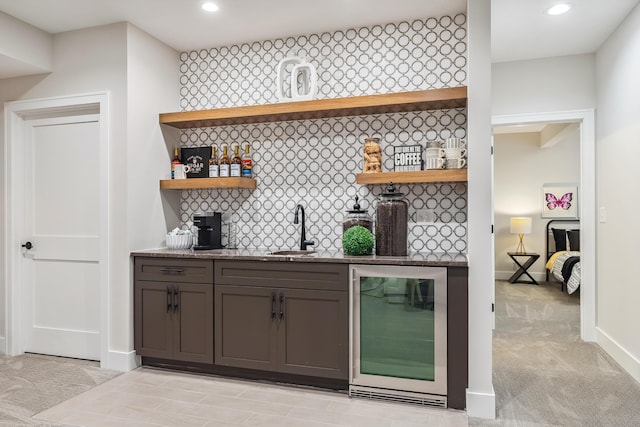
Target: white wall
{"x": 24, "y": 49}
{"x": 89, "y": 61}
{"x": 480, "y": 393}
{"x": 543, "y": 85}
{"x": 521, "y": 167}
{"x": 618, "y": 180}
{"x": 152, "y": 87}
{"x": 97, "y": 60}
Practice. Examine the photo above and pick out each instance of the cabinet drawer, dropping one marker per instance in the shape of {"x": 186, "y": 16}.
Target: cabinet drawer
{"x": 331, "y": 277}
{"x": 174, "y": 270}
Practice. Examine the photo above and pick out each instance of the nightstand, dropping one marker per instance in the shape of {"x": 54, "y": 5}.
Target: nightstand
{"x": 530, "y": 258}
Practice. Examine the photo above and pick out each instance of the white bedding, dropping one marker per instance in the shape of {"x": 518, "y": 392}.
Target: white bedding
{"x": 574, "y": 280}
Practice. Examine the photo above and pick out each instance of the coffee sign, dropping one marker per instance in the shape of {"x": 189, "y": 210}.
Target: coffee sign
{"x": 407, "y": 158}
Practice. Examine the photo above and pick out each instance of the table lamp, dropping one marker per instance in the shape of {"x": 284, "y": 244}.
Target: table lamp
{"x": 520, "y": 226}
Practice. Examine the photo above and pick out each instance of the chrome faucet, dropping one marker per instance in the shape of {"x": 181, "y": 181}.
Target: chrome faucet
{"x": 303, "y": 235}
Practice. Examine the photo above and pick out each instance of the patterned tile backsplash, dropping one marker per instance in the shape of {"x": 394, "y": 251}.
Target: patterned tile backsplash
{"x": 314, "y": 162}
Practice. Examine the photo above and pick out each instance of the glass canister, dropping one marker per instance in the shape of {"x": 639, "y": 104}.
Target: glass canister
{"x": 372, "y": 155}
{"x": 357, "y": 216}
{"x": 392, "y": 223}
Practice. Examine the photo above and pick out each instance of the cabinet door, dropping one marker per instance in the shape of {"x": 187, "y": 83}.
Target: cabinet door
{"x": 313, "y": 336}
{"x": 245, "y": 327}
{"x": 152, "y": 319}
{"x": 192, "y": 313}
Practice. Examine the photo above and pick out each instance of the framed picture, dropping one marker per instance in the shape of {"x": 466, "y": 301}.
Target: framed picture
{"x": 560, "y": 201}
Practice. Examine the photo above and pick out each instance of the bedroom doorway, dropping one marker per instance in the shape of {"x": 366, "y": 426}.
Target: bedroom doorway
{"x": 562, "y": 124}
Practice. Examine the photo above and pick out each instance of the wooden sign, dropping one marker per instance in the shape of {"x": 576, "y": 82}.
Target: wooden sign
{"x": 407, "y": 158}
{"x": 198, "y": 161}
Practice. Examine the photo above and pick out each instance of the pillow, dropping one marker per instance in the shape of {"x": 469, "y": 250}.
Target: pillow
{"x": 574, "y": 240}
{"x": 560, "y": 237}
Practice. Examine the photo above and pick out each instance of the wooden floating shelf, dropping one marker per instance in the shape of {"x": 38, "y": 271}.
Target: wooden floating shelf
{"x": 195, "y": 183}
{"x": 437, "y": 175}
{"x": 433, "y": 99}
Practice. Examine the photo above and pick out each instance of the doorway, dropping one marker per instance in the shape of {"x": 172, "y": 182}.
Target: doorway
{"x": 584, "y": 119}
{"x": 57, "y": 227}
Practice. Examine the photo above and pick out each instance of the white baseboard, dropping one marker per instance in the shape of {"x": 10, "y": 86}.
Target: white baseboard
{"x": 481, "y": 405}
{"x": 504, "y": 275}
{"x": 628, "y": 361}
{"x": 121, "y": 361}
{"x": 3, "y": 346}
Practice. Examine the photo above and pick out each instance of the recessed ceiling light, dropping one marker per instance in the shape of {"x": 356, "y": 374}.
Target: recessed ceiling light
{"x": 210, "y": 7}
{"x": 559, "y": 9}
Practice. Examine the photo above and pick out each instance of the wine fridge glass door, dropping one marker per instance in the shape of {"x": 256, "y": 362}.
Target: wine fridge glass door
{"x": 399, "y": 330}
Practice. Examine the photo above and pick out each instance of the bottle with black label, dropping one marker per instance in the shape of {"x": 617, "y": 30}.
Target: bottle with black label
{"x": 236, "y": 162}
{"x": 214, "y": 170}
{"x": 224, "y": 163}
{"x": 247, "y": 163}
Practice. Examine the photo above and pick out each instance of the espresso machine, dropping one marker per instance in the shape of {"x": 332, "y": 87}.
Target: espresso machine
{"x": 209, "y": 230}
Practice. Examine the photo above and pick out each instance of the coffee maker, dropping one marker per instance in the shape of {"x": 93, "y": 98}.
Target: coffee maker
{"x": 209, "y": 230}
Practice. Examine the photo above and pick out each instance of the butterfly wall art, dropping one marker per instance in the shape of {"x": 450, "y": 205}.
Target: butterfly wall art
{"x": 560, "y": 201}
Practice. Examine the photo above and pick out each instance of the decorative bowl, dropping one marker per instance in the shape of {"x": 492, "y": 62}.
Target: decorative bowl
{"x": 179, "y": 241}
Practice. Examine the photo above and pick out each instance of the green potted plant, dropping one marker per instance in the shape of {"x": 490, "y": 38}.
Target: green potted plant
{"x": 357, "y": 240}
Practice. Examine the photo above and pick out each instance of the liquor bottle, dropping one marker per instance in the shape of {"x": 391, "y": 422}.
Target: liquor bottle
{"x": 214, "y": 170}
{"x": 236, "y": 162}
{"x": 247, "y": 163}
{"x": 224, "y": 163}
{"x": 176, "y": 161}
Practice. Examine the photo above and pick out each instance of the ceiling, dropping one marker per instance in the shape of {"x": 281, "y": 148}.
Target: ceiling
{"x": 520, "y": 30}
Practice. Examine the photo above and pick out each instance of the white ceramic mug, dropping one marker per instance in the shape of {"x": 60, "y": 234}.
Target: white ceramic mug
{"x": 434, "y": 152}
{"x": 455, "y": 153}
{"x": 180, "y": 171}
{"x": 454, "y": 143}
{"x": 434, "y": 144}
{"x": 455, "y": 163}
{"x": 433, "y": 163}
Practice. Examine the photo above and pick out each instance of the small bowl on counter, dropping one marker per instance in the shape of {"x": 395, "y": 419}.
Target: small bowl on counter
{"x": 179, "y": 241}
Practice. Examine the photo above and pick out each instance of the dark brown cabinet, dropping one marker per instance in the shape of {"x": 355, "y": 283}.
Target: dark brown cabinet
{"x": 173, "y": 309}
{"x": 297, "y": 325}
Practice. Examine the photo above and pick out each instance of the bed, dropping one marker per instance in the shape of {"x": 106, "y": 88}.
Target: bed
{"x": 563, "y": 253}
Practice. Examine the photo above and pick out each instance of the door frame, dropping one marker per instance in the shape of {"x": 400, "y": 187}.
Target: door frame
{"x": 587, "y": 208}
{"x": 17, "y": 114}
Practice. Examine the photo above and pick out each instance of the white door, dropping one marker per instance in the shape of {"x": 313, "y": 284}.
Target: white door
{"x": 60, "y": 287}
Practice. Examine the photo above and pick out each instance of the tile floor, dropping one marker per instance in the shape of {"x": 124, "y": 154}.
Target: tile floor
{"x": 152, "y": 397}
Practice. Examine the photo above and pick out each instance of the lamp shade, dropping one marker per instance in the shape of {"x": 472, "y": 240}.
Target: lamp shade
{"x": 521, "y": 225}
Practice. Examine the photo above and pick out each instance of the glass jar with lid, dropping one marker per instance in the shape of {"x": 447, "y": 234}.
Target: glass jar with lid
{"x": 357, "y": 216}
{"x": 392, "y": 223}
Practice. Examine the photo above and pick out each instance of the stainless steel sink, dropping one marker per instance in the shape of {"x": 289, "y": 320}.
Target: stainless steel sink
{"x": 292, "y": 253}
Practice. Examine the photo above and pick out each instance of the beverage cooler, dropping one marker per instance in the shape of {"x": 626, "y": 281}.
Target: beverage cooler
{"x": 398, "y": 333}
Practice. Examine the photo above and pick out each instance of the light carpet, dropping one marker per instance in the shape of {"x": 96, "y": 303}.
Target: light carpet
{"x": 544, "y": 375}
